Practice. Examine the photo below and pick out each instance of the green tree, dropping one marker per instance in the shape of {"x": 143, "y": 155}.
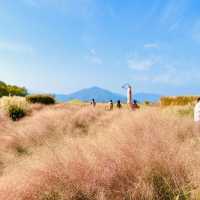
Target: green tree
{"x": 17, "y": 91}
{"x": 3, "y": 89}
{"x": 13, "y": 90}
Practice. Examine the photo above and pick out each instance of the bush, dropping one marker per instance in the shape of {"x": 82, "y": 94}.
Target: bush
{"x": 15, "y": 107}
{"x": 146, "y": 103}
{"x": 178, "y": 100}
{"x": 16, "y": 112}
{"x": 43, "y": 99}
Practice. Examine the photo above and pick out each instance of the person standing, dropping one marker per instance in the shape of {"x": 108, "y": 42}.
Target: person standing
{"x": 93, "y": 103}
{"x": 119, "y": 105}
{"x": 135, "y": 106}
{"x": 111, "y": 105}
{"x": 197, "y": 111}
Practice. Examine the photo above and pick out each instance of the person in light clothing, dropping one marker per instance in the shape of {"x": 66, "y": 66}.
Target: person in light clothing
{"x": 111, "y": 105}
{"x": 197, "y": 111}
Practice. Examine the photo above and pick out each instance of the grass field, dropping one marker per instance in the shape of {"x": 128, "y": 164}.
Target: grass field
{"x": 75, "y": 152}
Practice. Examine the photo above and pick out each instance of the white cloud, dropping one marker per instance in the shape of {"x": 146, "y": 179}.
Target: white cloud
{"x": 142, "y": 63}
{"x": 151, "y": 46}
{"x": 93, "y": 58}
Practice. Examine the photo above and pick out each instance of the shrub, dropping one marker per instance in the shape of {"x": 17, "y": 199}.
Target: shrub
{"x": 42, "y": 99}
{"x": 52, "y": 196}
{"x": 15, "y": 107}
{"x": 21, "y": 150}
{"x": 16, "y": 112}
{"x": 177, "y": 100}
{"x": 146, "y": 103}
{"x": 75, "y": 101}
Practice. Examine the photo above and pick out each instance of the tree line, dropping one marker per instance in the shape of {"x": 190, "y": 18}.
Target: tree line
{"x": 12, "y": 90}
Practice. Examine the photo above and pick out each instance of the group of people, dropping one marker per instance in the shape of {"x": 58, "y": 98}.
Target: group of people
{"x": 111, "y": 104}
{"x": 134, "y": 105}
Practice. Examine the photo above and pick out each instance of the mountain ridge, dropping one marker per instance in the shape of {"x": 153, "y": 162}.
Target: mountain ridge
{"x": 104, "y": 95}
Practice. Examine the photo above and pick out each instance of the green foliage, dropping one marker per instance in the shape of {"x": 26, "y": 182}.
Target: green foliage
{"x": 3, "y": 89}
{"x": 21, "y": 150}
{"x": 179, "y": 100}
{"x": 6, "y": 90}
{"x": 42, "y": 99}
{"x": 15, "y": 107}
{"x": 146, "y": 103}
{"x": 165, "y": 187}
{"x": 75, "y": 101}
{"x": 16, "y": 112}
{"x": 179, "y": 111}
{"x": 17, "y": 91}
{"x": 53, "y": 195}
{"x": 188, "y": 111}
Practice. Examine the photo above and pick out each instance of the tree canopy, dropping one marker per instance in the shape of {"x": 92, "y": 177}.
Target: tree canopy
{"x": 12, "y": 90}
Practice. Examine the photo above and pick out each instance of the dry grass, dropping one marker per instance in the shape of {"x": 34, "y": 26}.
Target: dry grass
{"x": 74, "y": 152}
{"x": 178, "y": 100}
{"x": 6, "y": 102}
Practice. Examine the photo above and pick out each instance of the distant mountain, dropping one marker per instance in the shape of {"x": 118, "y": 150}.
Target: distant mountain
{"x": 102, "y": 95}
{"x": 99, "y": 94}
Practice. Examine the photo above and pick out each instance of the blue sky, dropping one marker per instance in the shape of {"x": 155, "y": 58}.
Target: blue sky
{"x": 60, "y": 46}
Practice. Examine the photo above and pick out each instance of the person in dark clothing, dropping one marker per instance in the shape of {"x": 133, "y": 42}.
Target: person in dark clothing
{"x": 135, "y": 106}
{"x": 119, "y": 105}
{"x": 93, "y": 103}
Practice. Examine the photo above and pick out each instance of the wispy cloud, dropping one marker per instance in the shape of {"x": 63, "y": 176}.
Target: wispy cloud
{"x": 167, "y": 76}
{"x": 141, "y": 63}
{"x": 14, "y": 47}
{"x": 173, "y": 13}
{"x": 156, "y": 68}
{"x": 151, "y": 46}
{"x": 93, "y": 58}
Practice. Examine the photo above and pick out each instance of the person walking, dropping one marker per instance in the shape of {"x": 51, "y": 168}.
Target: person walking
{"x": 119, "y": 105}
{"x": 197, "y": 111}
